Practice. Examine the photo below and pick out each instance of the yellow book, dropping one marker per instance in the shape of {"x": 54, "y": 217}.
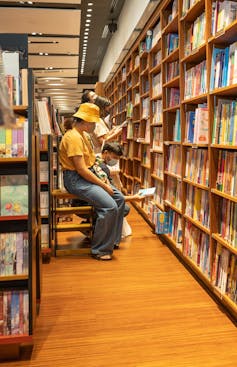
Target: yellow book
{"x": 8, "y": 143}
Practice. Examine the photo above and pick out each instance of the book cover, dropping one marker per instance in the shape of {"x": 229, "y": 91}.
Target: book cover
{"x": 150, "y": 191}
{"x": 14, "y": 195}
{"x": 162, "y": 223}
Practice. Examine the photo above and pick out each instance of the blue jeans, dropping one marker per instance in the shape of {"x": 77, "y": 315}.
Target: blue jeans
{"x": 109, "y": 211}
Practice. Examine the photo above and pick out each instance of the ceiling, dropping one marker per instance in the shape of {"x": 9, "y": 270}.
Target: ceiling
{"x": 67, "y": 43}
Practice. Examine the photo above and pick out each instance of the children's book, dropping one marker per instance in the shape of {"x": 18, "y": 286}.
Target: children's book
{"x": 150, "y": 191}
{"x": 13, "y": 195}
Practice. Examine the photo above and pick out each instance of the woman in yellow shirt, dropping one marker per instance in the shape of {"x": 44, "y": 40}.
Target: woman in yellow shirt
{"x": 77, "y": 158}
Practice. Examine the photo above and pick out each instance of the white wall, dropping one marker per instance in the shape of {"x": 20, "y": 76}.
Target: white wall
{"x": 129, "y": 17}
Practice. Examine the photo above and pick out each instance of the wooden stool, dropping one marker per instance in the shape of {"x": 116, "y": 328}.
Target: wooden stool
{"x": 68, "y": 227}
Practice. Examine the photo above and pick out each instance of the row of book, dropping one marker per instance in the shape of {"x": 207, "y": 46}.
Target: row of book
{"x": 223, "y": 14}
{"x": 156, "y": 85}
{"x": 197, "y": 205}
{"x": 195, "y": 34}
{"x": 13, "y": 253}
{"x": 157, "y": 116}
{"x": 196, "y": 247}
{"x": 14, "y": 312}
{"x": 223, "y": 67}
{"x": 158, "y": 165}
{"x": 187, "y": 4}
{"x": 195, "y": 80}
{"x": 14, "y": 141}
{"x": 157, "y": 141}
{"x": 13, "y": 195}
{"x": 196, "y": 130}
{"x": 173, "y": 163}
{"x": 224, "y": 272}
{"x": 226, "y": 172}
{"x": 16, "y": 79}
{"x": 225, "y": 122}
{"x": 177, "y": 127}
{"x": 173, "y": 97}
{"x": 173, "y": 194}
{"x": 228, "y": 221}
{"x": 172, "y": 70}
{"x": 197, "y": 166}
{"x": 171, "y": 43}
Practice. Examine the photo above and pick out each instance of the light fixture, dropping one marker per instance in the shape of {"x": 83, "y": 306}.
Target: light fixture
{"x": 86, "y": 33}
{"x": 46, "y": 53}
{"x": 88, "y": 20}
{"x": 40, "y": 53}
{"x": 88, "y": 15}
{"x": 90, "y": 4}
{"x": 33, "y": 33}
{"x": 89, "y": 10}
{"x": 87, "y": 29}
{"x": 105, "y": 31}
{"x": 85, "y": 37}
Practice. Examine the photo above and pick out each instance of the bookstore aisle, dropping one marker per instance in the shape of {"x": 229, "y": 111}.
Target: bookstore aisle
{"x": 143, "y": 309}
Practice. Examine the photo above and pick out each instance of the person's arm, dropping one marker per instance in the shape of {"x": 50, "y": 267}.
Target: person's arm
{"x": 135, "y": 197}
{"x": 83, "y": 171}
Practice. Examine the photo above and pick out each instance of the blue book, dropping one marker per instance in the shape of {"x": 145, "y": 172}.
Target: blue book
{"x": 225, "y": 67}
{"x": 162, "y": 223}
{"x": 191, "y": 122}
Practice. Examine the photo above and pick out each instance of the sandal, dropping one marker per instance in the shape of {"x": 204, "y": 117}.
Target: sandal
{"x": 106, "y": 257}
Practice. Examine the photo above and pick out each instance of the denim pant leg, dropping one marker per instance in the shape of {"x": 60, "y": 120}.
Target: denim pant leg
{"x": 119, "y": 199}
{"x": 105, "y": 207}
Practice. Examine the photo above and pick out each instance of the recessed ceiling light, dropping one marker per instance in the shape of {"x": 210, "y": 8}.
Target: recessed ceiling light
{"x": 21, "y": 2}
{"x": 33, "y": 33}
{"x": 30, "y": 2}
{"x": 87, "y": 29}
{"x": 86, "y": 33}
{"x": 88, "y": 20}
{"x": 89, "y": 10}
{"x": 85, "y": 37}
{"x": 90, "y": 4}
{"x": 41, "y": 53}
{"x": 88, "y": 15}
{"x": 46, "y": 53}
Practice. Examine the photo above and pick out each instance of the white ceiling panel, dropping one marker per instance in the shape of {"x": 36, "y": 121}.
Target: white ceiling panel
{"x": 60, "y": 73}
{"x": 53, "y": 61}
{"x": 46, "y": 21}
{"x": 54, "y": 45}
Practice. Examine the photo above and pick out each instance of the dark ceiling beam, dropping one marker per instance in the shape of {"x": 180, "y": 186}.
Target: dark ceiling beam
{"x": 60, "y": 6}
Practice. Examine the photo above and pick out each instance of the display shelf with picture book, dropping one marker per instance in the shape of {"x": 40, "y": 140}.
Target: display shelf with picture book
{"x": 19, "y": 220}
{"x": 191, "y": 155}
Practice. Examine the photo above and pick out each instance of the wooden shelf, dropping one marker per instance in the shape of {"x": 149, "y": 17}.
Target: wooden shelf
{"x": 225, "y": 243}
{"x": 173, "y": 56}
{"x": 180, "y": 23}
{"x": 15, "y": 160}
{"x": 10, "y": 278}
{"x": 173, "y": 83}
{"x": 13, "y": 218}
{"x": 224, "y": 195}
{"x": 172, "y": 206}
{"x": 200, "y": 186}
{"x": 196, "y": 100}
{"x": 172, "y": 26}
{"x": 153, "y": 175}
{"x": 221, "y": 146}
{"x": 197, "y": 224}
{"x": 196, "y": 55}
{"x": 194, "y": 11}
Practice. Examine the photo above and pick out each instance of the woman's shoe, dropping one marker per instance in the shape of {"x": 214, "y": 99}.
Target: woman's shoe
{"x": 116, "y": 246}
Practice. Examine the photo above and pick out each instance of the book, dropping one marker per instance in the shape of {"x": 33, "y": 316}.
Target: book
{"x": 13, "y": 195}
{"x": 150, "y": 191}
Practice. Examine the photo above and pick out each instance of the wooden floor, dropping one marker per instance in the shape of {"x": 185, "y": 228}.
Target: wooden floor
{"x": 143, "y": 309}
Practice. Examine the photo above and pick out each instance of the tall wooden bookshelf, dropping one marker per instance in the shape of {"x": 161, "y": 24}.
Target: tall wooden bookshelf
{"x": 182, "y": 135}
{"x": 19, "y": 227}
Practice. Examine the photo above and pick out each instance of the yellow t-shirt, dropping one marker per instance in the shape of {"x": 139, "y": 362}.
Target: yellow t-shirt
{"x": 74, "y": 144}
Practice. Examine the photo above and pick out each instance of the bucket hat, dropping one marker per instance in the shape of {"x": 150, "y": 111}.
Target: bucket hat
{"x": 88, "y": 112}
